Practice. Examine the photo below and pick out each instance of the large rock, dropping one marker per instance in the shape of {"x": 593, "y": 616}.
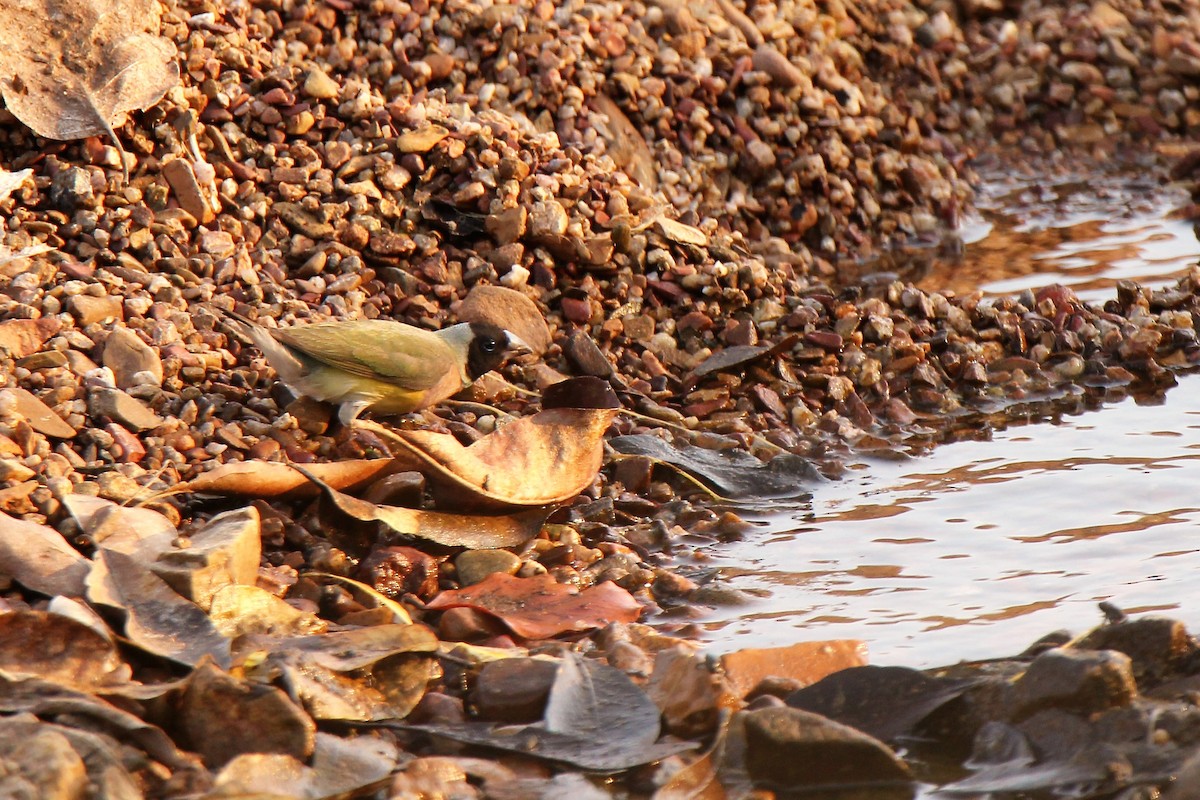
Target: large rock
{"x": 1083, "y": 681}
{"x": 789, "y": 749}
{"x": 226, "y": 551}
{"x": 130, "y": 359}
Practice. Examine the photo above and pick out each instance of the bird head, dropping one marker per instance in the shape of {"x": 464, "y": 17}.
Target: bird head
{"x": 490, "y": 346}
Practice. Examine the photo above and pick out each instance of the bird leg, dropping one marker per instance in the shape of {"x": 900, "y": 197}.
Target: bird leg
{"x": 351, "y": 407}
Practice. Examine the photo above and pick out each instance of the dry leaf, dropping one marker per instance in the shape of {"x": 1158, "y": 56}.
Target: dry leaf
{"x": 680, "y": 233}
{"x": 539, "y": 460}
{"x": 222, "y": 717}
{"x": 40, "y": 559}
{"x": 158, "y": 620}
{"x": 540, "y": 607}
{"x": 274, "y": 479}
{"x": 365, "y": 674}
{"x": 452, "y": 530}
{"x": 72, "y": 69}
{"x": 400, "y": 614}
{"x": 11, "y": 181}
{"x": 625, "y": 143}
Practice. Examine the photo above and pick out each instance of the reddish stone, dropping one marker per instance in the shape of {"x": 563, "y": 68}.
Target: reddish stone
{"x": 126, "y": 447}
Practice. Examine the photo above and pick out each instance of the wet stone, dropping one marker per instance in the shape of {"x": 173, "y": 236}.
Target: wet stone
{"x": 1075, "y": 680}
{"x": 1156, "y": 645}
{"x": 475, "y": 565}
{"x": 793, "y": 749}
{"x": 396, "y": 571}
{"x": 514, "y": 689}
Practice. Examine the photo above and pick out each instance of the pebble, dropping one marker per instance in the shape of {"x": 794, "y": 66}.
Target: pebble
{"x": 131, "y": 359}
{"x": 89, "y": 309}
{"x": 122, "y": 409}
{"x": 475, "y": 565}
{"x": 513, "y": 690}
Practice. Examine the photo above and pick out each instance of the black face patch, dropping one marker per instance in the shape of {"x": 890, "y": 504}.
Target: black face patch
{"x": 488, "y": 347}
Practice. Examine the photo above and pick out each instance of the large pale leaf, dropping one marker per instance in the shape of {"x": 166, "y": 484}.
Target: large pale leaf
{"x": 539, "y": 460}
{"x": 38, "y": 557}
{"x": 70, "y": 69}
{"x": 452, "y": 530}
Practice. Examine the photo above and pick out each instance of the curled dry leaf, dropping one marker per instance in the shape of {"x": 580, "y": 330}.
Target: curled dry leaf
{"x": 452, "y": 530}
{"x": 737, "y": 357}
{"x": 71, "y": 69}
{"x": 540, "y": 607}
{"x": 400, "y": 614}
{"x": 275, "y": 479}
{"x": 364, "y": 674}
{"x": 539, "y": 460}
{"x": 40, "y": 559}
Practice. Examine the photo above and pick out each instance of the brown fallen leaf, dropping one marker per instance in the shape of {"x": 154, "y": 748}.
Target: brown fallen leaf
{"x": 40, "y": 559}
{"x": 275, "y": 479}
{"x": 158, "y": 620}
{"x": 736, "y": 357}
{"x": 539, "y": 460}
{"x": 509, "y": 309}
{"x": 453, "y": 530}
{"x": 539, "y": 607}
{"x": 73, "y": 69}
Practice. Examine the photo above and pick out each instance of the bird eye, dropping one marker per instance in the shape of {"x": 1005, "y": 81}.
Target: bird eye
{"x": 488, "y": 345}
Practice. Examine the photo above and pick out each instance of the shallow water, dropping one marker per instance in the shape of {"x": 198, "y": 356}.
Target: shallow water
{"x": 979, "y": 548}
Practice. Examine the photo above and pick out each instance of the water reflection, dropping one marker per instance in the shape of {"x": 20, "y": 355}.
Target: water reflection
{"x": 978, "y": 548}
{"x": 1086, "y": 227}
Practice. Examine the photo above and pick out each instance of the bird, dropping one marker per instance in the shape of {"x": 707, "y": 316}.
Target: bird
{"x": 382, "y": 365}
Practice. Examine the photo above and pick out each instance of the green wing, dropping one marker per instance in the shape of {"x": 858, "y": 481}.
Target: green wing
{"x": 399, "y": 354}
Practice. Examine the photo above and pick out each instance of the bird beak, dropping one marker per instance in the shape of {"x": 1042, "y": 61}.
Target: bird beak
{"x": 516, "y": 344}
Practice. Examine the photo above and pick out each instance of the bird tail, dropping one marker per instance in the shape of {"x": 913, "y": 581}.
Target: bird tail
{"x": 286, "y": 364}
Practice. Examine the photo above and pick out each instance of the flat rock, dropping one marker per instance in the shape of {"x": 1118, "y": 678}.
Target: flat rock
{"x": 514, "y": 689}
{"x": 123, "y": 409}
{"x": 127, "y": 355}
{"x": 511, "y": 310}
{"x": 791, "y": 749}
{"x": 23, "y": 337}
{"x": 1075, "y": 680}
{"x": 39, "y": 415}
{"x": 805, "y": 662}
{"x": 88, "y": 309}
{"x": 224, "y": 552}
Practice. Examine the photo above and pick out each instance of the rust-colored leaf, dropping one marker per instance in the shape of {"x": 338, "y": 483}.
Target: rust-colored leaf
{"x": 72, "y": 69}
{"x": 538, "y": 460}
{"x": 539, "y": 607}
{"x": 806, "y": 662}
{"x": 275, "y": 479}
